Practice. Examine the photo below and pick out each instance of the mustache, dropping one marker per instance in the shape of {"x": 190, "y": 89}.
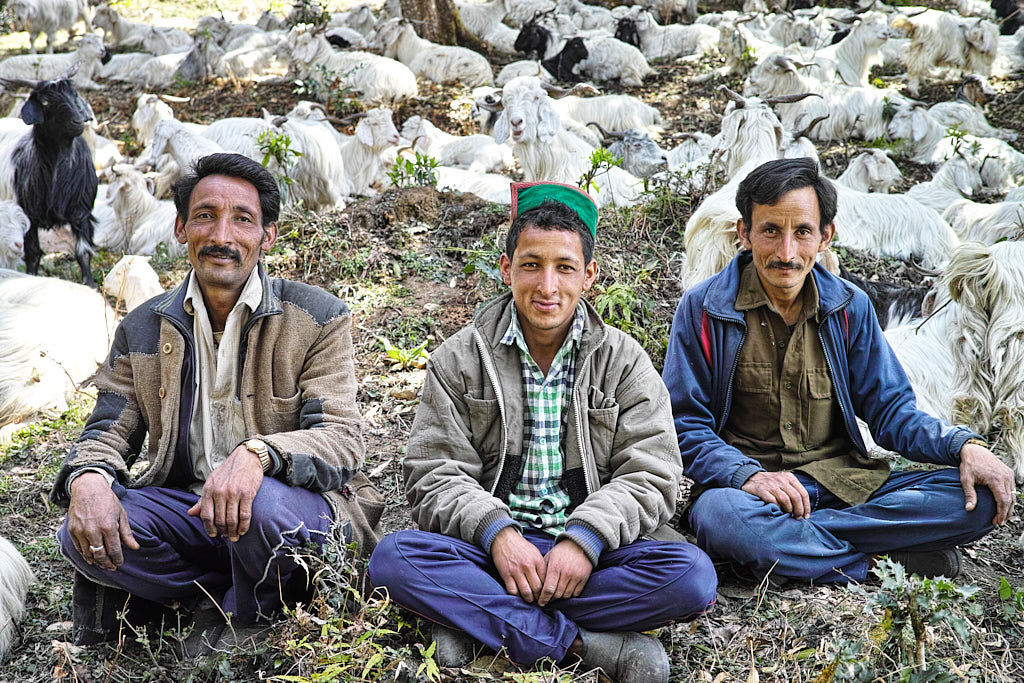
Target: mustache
{"x": 794, "y": 265}
{"x": 222, "y": 252}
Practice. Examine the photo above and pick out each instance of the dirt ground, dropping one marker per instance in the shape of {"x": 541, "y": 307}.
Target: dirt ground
{"x": 413, "y": 264}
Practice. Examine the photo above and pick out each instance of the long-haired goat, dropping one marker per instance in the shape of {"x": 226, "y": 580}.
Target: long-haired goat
{"x": 941, "y": 40}
{"x": 438, "y": 63}
{"x": 54, "y": 179}
{"x": 47, "y": 16}
{"x": 15, "y": 578}
{"x": 871, "y": 171}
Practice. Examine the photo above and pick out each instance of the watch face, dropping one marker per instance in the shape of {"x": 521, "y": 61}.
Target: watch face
{"x": 255, "y": 445}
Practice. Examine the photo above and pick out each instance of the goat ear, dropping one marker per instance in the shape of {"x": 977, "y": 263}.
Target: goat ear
{"x": 32, "y": 111}
{"x": 962, "y": 179}
{"x": 918, "y": 124}
{"x": 364, "y": 132}
{"x": 501, "y": 128}
{"x": 549, "y": 122}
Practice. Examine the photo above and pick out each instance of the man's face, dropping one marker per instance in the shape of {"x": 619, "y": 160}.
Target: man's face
{"x": 785, "y": 240}
{"x": 548, "y": 277}
{"x": 224, "y": 231}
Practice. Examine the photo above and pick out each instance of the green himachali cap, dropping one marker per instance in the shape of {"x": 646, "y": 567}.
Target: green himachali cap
{"x": 526, "y": 196}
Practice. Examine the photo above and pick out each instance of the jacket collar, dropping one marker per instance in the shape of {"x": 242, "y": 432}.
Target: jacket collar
{"x": 171, "y": 304}
{"x": 492, "y": 319}
{"x": 833, "y": 292}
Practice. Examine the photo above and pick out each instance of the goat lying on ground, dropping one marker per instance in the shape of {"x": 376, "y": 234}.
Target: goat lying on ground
{"x": 47, "y": 16}
{"x": 15, "y": 578}
{"x": 941, "y": 40}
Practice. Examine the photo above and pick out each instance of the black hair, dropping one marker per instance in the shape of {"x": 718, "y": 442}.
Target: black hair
{"x": 766, "y": 184}
{"x": 235, "y": 166}
{"x": 550, "y": 215}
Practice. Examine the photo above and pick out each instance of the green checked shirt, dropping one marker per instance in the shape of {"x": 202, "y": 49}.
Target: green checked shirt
{"x": 538, "y": 501}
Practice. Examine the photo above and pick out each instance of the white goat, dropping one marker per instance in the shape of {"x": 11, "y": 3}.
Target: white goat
{"x": 147, "y": 221}
{"x": 376, "y": 78}
{"x": 15, "y": 578}
{"x": 489, "y": 186}
{"x": 86, "y": 58}
{"x": 955, "y": 180}
{"x": 47, "y": 16}
{"x": 359, "y": 18}
{"x": 13, "y": 226}
{"x": 941, "y": 40}
{"x": 478, "y": 153}
{"x": 43, "y": 363}
{"x": 986, "y": 223}
{"x": 673, "y": 40}
{"x": 524, "y": 67}
{"x": 871, "y": 171}
{"x": 144, "y": 70}
{"x": 183, "y": 145}
{"x": 123, "y": 33}
{"x": 613, "y": 112}
{"x": 438, "y": 63}
{"x": 547, "y": 152}
{"x": 362, "y": 152}
{"x": 319, "y": 172}
{"x": 926, "y": 141}
{"x": 965, "y": 112}
{"x": 132, "y": 280}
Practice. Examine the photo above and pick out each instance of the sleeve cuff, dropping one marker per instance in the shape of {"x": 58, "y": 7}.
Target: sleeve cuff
{"x": 491, "y": 526}
{"x": 587, "y": 539}
{"x": 739, "y": 478}
{"x": 88, "y": 468}
{"x": 962, "y": 436}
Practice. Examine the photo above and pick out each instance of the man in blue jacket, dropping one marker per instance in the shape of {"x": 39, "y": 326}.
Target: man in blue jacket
{"x": 769, "y": 364}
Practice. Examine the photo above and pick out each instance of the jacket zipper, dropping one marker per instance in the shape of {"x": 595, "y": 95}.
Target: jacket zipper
{"x": 732, "y": 373}
{"x": 842, "y": 408}
{"x": 579, "y": 419}
{"x": 489, "y": 369}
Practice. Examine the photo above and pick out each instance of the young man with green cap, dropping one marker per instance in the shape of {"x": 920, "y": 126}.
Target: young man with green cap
{"x": 541, "y": 462}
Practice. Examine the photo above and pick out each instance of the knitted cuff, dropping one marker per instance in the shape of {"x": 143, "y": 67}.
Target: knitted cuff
{"x": 586, "y": 537}
{"x": 739, "y": 478}
{"x": 489, "y": 527}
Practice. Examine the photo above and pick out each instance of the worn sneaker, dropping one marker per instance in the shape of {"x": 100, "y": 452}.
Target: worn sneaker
{"x": 929, "y": 563}
{"x": 626, "y": 657}
{"x": 208, "y": 627}
{"x": 453, "y": 648}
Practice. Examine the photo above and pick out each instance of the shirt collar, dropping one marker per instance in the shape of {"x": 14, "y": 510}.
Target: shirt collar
{"x": 251, "y": 295}
{"x": 751, "y": 293}
{"x": 514, "y": 333}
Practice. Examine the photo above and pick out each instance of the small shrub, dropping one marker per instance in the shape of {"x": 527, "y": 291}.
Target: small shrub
{"x": 601, "y": 161}
{"x": 418, "y": 173}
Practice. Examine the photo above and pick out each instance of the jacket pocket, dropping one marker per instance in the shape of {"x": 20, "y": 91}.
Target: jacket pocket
{"x": 286, "y": 405}
{"x": 603, "y": 424}
{"x": 484, "y": 424}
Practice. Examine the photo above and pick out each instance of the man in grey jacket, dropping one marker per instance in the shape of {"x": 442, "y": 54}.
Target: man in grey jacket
{"x": 542, "y": 455}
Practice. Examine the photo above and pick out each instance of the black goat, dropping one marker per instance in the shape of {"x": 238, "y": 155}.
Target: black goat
{"x": 892, "y": 302}
{"x": 627, "y": 32}
{"x": 533, "y": 39}
{"x": 561, "y": 65}
{"x": 1009, "y": 15}
{"x": 54, "y": 177}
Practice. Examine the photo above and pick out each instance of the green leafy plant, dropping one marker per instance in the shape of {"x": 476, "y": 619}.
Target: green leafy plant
{"x": 601, "y": 161}
{"x": 331, "y": 87}
{"x": 278, "y": 147}
{"x": 1012, "y": 599}
{"x": 405, "y": 358}
{"x": 417, "y": 173}
{"x": 748, "y": 58}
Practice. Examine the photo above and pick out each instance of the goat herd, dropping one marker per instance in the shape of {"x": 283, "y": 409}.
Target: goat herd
{"x": 806, "y": 79}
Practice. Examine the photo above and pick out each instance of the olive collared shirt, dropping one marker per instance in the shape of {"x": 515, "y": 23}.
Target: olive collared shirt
{"x": 784, "y": 414}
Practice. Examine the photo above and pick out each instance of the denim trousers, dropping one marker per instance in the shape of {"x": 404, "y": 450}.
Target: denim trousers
{"x": 637, "y": 587}
{"x": 912, "y": 510}
{"x": 176, "y": 556}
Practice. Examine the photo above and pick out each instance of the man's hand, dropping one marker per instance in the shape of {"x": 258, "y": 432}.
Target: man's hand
{"x": 226, "y": 503}
{"x": 519, "y": 563}
{"x": 979, "y": 466}
{"x": 782, "y": 489}
{"x": 568, "y": 569}
{"x": 97, "y": 522}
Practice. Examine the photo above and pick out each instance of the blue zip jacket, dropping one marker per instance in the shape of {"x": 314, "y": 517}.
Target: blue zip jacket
{"x": 867, "y": 378}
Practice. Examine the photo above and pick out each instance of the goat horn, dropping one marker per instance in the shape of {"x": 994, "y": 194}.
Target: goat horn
{"x": 864, "y": 9}
{"x": 744, "y": 19}
{"x": 352, "y": 118}
{"x": 787, "y": 99}
{"x": 279, "y": 121}
{"x": 915, "y": 14}
{"x": 812, "y": 124}
{"x": 317, "y": 105}
{"x": 689, "y": 136}
{"x": 921, "y": 269}
{"x": 609, "y": 135}
{"x": 175, "y": 98}
{"x": 733, "y": 95}
{"x": 18, "y": 83}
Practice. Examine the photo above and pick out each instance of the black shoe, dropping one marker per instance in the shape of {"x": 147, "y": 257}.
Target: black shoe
{"x": 625, "y": 657}
{"x": 929, "y": 563}
{"x": 207, "y": 628}
{"x": 95, "y": 609}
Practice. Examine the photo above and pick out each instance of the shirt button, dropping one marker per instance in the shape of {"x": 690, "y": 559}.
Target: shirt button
{"x": 167, "y": 347}
{"x": 162, "y": 392}
{"x": 789, "y": 385}
{"x": 789, "y": 426}
{"x": 781, "y": 345}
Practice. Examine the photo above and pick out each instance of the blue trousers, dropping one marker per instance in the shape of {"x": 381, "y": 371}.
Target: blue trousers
{"x": 913, "y": 510}
{"x": 176, "y": 553}
{"x": 640, "y": 586}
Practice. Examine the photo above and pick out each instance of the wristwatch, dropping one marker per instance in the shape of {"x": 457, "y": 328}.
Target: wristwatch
{"x": 260, "y": 448}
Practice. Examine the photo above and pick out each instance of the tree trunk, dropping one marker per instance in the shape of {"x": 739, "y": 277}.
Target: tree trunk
{"x": 438, "y": 21}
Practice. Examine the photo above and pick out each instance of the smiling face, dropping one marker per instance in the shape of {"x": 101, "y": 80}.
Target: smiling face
{"x": 548, "y": 276}
{"x": 224, "y": 232}
{"x": 785, "y": 239}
